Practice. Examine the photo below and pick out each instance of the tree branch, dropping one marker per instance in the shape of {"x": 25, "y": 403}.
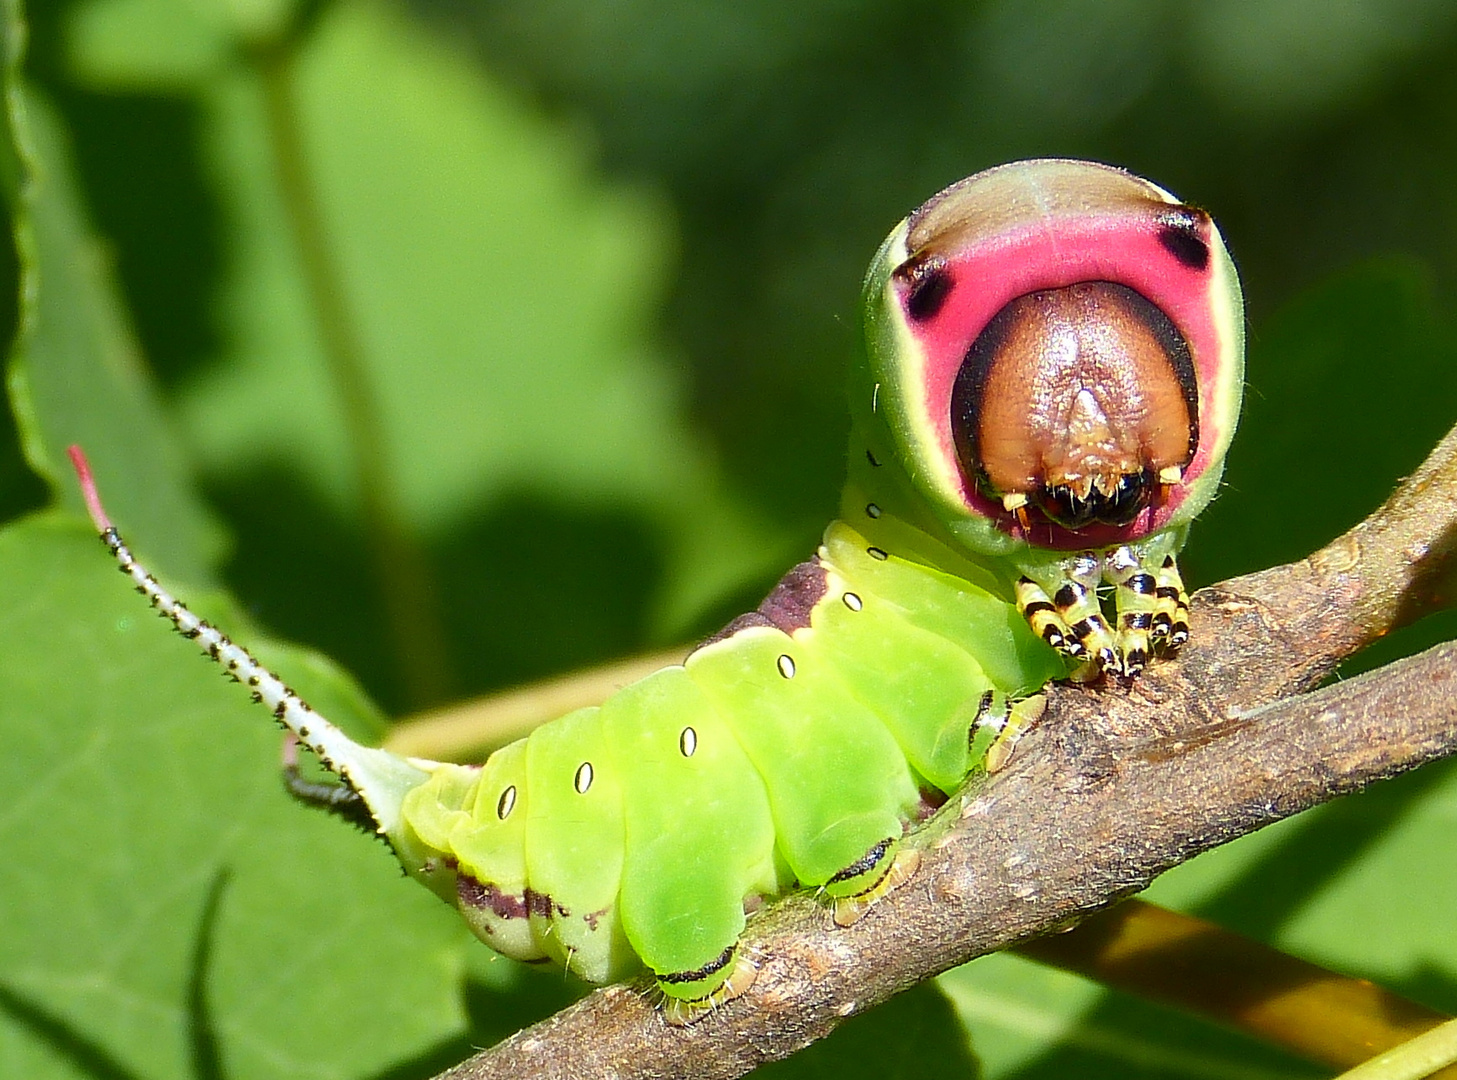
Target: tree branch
{"x": 1115, "y": 786}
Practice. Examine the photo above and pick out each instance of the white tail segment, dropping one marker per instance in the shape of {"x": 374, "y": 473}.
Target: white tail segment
{"x": 381, "y": 778}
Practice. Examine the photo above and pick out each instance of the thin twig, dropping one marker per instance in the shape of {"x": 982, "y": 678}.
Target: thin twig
{"x": 1426, "y": 1057}
{"x": 1204, "y": 969}
{"x": 1114, "y": 787}
{"x": 468, "y": 732}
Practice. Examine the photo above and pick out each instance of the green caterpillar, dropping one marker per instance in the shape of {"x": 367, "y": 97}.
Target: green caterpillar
{"x": 1050, "y": 380}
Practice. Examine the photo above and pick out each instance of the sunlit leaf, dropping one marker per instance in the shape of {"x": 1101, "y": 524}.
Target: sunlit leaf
{"x": 158, "y": 885}
{"x": 75, "y": 374}
{"x": 500, "y": 300}
{"x": 1031, "y": 1021}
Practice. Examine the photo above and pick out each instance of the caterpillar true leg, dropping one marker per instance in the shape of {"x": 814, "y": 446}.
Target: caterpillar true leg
{"x": 1173, "y": 604}
{"x": 1044, "y": 618}
{"x": 1153, "y": 609}
{"x": 1077, "y": 602}
{"x": 1136, "y": 602}
{"x": 1061, "y": 602}
{"x": 1079, "y": 624}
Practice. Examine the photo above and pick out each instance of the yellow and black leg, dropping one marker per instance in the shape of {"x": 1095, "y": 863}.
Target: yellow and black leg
{"x": 1171, "y": 615}
{"x": 1061, "y": 602}
{"x": 1065, "y": 612}
{"x": 1136, "y": 603}
{"x": 1075, "y": 601}
{"x": 1037, "y": 608}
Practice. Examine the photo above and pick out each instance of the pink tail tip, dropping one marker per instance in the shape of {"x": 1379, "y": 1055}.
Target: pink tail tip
{"x": 88, "y": 489}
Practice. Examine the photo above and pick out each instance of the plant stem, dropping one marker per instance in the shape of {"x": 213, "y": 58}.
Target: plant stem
{"x": 1427, "y": 1056}
{"x": 1204, "y": 969}
{"x": 468, "y": 731}
{"x": 401, "y": 569}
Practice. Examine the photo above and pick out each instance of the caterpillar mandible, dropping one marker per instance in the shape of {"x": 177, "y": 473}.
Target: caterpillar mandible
{"x": 1050, "y": 378}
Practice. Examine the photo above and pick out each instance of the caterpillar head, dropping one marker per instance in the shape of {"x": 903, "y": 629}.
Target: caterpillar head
{"x": 1054, "y": 357}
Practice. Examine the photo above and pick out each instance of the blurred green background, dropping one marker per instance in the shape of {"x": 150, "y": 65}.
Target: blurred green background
{"x": 603, "y": 260}
{"x": 491, "y": 339}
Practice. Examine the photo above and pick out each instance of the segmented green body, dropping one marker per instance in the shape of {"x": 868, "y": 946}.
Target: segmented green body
{"x": 783, "y": 752}
{"x": 794, "y": 748}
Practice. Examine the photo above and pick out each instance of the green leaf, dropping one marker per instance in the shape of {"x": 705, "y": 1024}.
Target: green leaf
{"x": 75, "y": 375}
{"x": 1033, "y": 1021}
{"x": 499, "y": 295}
{"x": 165, "y": 903}
{"x": 151, "y": 42}
{"x": 171, "y": 44}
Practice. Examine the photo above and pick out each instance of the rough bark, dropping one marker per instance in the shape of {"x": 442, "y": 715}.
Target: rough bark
{"x": 1115, "y": 785}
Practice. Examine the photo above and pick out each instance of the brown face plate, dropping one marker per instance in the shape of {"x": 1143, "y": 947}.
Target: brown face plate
{"x": 1077, "y": 398}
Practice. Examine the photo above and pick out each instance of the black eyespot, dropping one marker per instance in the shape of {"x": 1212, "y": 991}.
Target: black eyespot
{"x": 928, "y": 284}
{"x": 1180, "y": 236}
